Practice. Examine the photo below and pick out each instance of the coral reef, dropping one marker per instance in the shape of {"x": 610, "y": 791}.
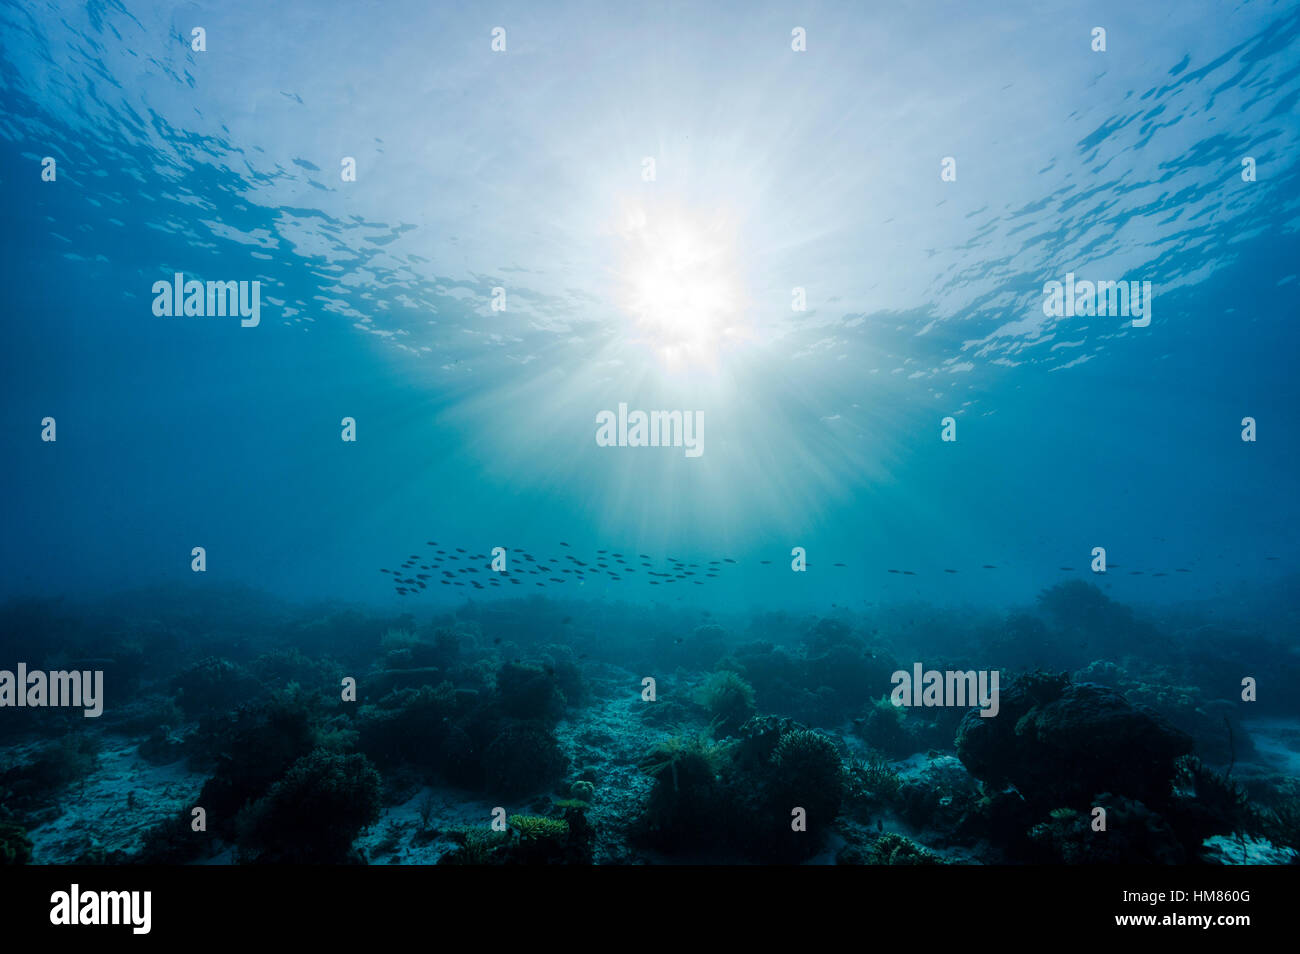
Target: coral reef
{"x": 1061, "y": 743}
{"x": 314, "y": 812}
{"x": 728, "y": 698}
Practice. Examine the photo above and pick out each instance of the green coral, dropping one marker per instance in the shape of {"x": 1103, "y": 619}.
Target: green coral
{"x": 874, "y": 779}
{"x": 687, "y": 756}
{"x": 894, "y": 849}
{"x": 539, "y": 827}
{"x": 729, "y": 699}
{"x": 476, "y": 846}
{"x": 582, "y": 790}
{"x": 15, "y": 846}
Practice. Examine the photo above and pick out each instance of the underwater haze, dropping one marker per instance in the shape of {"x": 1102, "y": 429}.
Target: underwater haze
{"x": 497, "y": 360}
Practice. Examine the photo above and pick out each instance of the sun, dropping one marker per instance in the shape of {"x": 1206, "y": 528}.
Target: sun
{"x": 679, "y": 284}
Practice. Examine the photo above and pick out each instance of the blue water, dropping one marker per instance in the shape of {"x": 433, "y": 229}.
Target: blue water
{"x": 774, "y": 169}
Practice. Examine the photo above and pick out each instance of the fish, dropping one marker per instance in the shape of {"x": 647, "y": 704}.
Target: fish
{"x": 1066, "y": 569}
{"x": 988, "y": 566}
{"x": 837, "y": 564}
{"x": 950, "y": 571}
{"x": 908, "y": 573}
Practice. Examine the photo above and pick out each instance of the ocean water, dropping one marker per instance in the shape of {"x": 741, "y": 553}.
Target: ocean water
{"x": 825, "y": 239}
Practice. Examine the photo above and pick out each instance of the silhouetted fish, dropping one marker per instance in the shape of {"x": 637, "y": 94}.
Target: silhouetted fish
{"x": 950, "y": 571}
{"x": 837, "y": 564}
{"x": 988, "y": 566}
{"x": 765, "y": 562}
{"x": 730, "y": 560}
{"x": 1066, "y": 569}
{"x": 895, "y": 571}
{"x": 908, "y": 573}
